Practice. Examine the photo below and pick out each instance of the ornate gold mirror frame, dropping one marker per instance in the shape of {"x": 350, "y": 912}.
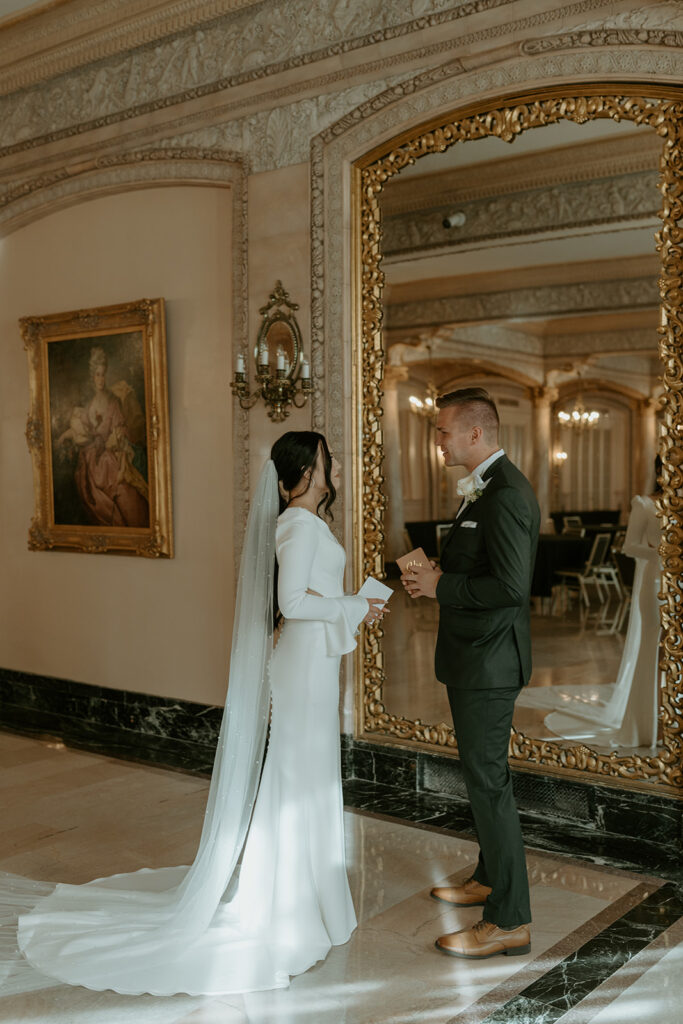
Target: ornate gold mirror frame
{"x": 665, "y": 114}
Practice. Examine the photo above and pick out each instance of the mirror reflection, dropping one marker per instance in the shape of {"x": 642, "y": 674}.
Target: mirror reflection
{"x": 277, "y": 347}
{"x": 531, "y": 270}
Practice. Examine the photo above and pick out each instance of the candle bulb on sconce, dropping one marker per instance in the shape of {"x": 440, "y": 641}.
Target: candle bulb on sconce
{"x": 280, "y": 335}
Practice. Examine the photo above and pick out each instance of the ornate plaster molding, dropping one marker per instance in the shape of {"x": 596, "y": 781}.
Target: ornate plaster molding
{"x": 602, "y": 343}
{"x": 113, "y": 173}
{"x": 603, "y": 158}
{"x": 281, "y": 135}
{"x": 246, "y": 46}
{"x": 603, "y": 37}
{"x": 44, "y": 43}
{"x": 639, "y": 345}
{"x": 555, "y": 300}
{"x": 443, "y": 340}
{"x": 622, "y": 198}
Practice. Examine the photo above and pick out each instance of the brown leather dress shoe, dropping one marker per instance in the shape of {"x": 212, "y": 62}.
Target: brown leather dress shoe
{"x": 468, "y": 894}
{"x": 484, "y": 940}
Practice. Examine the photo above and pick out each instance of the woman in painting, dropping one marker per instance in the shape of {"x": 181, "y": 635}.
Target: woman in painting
{"x": 267, "y": 894}
{"x": 112, "y": 490}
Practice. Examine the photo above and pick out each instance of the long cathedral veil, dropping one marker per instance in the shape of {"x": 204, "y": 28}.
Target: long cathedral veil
{"x": 165, "y": 930}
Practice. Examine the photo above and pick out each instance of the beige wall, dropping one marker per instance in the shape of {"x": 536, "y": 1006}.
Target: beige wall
{"x": 279, "y": 249}
{"x": 160, "y": 627}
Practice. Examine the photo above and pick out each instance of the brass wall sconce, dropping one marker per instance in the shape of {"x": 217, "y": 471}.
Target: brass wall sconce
{"x": 283, "y": 376}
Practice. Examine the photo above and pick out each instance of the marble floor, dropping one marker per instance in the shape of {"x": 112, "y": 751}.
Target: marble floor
{"x": 607, "y": 943}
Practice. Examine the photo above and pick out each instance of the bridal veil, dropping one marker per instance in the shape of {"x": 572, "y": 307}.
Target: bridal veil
{"x": 166, "y": 930}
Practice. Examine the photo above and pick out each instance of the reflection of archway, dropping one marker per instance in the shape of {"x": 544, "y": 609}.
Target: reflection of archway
{"x": 468, "y": 368}
{"x": 640, "y": 421}
{"x": 598, "y": 385}
{"x": 598, "y": 472}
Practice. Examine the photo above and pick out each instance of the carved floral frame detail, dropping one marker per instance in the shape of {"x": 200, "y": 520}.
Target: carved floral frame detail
{"x": 665, "y": 115}
{"x": 146, "y": 316}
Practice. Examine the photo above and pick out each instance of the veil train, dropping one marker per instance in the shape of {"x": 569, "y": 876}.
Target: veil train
{"x": 169, "y": 930}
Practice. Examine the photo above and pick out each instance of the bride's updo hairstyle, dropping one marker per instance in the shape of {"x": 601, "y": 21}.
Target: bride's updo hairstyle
{"x": 294, "y": 454}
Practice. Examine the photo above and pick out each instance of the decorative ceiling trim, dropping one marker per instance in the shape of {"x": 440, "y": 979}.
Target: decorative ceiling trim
{"x": 42, "y": 44}
{"x": 146, "y": 33}
{"x": 601, "y": 158}
{"x": 624, "y": 199}
{"x": 556, "y": 300}
{"x": 113, "y": 173}
{"x": 587, "y": 38}
{"x": 536, "y": 275}
{"x": 190, "y": 64}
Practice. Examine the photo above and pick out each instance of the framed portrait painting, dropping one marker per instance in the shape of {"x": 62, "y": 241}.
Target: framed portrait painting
{"x": 98, "y": 430}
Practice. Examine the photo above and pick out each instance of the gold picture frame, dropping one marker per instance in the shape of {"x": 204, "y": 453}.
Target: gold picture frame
{"x": 100, "y": 449}
{"x": 505, "y": 119}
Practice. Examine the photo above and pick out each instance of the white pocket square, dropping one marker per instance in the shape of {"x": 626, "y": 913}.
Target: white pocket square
{"x": 470, "y": 524}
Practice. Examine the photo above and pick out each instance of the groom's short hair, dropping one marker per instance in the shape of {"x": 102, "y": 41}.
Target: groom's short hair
{"x": 479, "y": 406}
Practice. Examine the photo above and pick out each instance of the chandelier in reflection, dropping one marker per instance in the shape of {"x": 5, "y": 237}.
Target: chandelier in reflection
{"x": 579, "y": 418}
{"x": 425, "y": 406}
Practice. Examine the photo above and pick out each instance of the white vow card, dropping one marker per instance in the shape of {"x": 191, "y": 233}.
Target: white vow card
{"x": 375, "y": 588}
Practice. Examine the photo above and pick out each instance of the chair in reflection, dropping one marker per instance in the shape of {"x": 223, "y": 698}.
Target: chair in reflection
{"x": 576, "y": 581}
{"x": 616, "y": 576}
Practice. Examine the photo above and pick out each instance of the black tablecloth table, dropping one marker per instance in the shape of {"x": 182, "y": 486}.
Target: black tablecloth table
{"x": 556, "y": 552}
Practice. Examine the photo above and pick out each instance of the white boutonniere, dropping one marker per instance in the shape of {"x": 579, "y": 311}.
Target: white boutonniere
{"x": 471, "y": 487}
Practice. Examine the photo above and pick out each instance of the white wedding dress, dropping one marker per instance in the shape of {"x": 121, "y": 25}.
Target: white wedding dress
{"x": 216, "y": 927}
{"x": 628, "y": 716}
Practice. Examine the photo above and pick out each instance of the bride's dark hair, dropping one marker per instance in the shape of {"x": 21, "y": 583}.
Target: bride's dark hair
{"x": 293, "y": 454}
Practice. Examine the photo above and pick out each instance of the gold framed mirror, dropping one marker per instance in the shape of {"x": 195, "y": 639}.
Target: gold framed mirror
{"x": 432, "y": 356}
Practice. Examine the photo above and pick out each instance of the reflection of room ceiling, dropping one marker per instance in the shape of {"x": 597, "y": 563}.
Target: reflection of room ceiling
{"x": 555, "y": 262}
{"x": 549, "y": 137}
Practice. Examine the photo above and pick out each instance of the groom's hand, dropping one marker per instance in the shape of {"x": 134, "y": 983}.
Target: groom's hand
{"x": 422, "y": 581}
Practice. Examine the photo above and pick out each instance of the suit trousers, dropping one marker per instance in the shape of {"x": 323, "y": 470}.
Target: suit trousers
{"x": 482, "y": 721}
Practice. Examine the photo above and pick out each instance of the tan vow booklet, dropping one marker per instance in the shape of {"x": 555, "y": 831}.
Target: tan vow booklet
{"x": 412, "y": 560}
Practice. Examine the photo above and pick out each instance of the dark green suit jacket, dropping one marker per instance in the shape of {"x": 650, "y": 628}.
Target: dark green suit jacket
{"x": 484, "y": 593}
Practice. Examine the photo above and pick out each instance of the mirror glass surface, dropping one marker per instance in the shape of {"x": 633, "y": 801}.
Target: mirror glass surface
{"x": 279, "y": 337}
{"x": 530, "y": 269}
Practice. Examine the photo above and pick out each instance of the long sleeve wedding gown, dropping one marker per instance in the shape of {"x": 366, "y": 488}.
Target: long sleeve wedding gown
{"x": 628, "y": 718}
{"x": 214, "y": 927}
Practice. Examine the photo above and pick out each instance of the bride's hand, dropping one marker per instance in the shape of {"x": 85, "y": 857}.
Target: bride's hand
{"x": 376, "y": 609}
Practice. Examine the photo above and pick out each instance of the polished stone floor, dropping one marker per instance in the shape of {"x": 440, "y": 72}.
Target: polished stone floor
{"x": 607, "y": 943}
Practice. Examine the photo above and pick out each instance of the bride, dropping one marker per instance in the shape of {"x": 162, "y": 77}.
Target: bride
{"x": 629, "y": 717}
{"x": 220, "y": 926}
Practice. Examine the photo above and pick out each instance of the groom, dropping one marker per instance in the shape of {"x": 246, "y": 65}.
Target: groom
{"x": 483, "y": 655}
